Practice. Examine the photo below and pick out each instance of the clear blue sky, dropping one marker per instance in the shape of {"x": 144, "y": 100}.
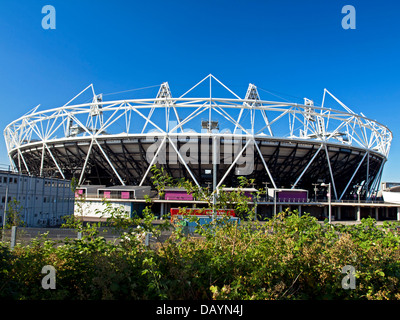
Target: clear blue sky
{"x": 294, "y": 47}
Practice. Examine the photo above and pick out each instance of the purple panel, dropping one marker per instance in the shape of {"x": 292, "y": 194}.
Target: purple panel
{"x": 78, "y": 193}
{"x": 178, "y": 195}
{"x": 300, "y": 196}
{"x": 107, "y": 194}
{"x": 125, "y": 195}
{"x": 248, "y": 194}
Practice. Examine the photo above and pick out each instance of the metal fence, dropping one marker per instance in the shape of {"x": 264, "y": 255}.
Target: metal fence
{"x": 25, "y": 235}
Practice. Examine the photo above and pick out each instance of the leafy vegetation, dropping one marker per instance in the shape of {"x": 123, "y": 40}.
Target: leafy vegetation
{"x": 286, "y": 257}
{"x": 13, "y": 214}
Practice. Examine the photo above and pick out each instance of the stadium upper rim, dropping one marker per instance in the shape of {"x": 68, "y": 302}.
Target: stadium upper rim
{"x": 166, "y": 115}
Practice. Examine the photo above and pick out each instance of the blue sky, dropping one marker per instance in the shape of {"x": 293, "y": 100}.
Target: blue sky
{"x": 293, "y": 47}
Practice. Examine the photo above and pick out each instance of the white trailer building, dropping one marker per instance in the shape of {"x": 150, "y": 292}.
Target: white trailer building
{"x": 41, "y": 202}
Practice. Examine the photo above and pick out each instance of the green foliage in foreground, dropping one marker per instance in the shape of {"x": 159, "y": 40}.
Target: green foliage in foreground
{"x": 287, "y": 257}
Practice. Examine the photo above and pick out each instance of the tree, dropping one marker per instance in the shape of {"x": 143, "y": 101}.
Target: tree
{"x": 13, "y": 214}
{"x": 161, "y": 180}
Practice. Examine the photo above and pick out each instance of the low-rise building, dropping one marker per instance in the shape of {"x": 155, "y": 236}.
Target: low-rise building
{"x": 40, "y": 202}
{"x": 90, "y": 204}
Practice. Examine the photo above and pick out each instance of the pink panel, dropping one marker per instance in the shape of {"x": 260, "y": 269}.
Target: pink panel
{"x": 178, "y": 195}
{"x": 125, "y": 195}
{"x": 292, "y": 195}
{"x": 107, "y": 194}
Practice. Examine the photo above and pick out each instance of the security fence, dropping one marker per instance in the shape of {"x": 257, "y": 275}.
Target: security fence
{"x": 24, "y": 235}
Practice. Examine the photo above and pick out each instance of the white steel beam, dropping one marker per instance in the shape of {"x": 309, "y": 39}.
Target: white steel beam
{"x": 330, "y": 171}
{"x": 153, "y": 160}
{"x": 233, "y": 163}
{"x": 42, "y": 160}
{"x": 184, "y": 162}
{"x": 23, "y": 160}
{"x": 265, "y": 164}
{"x": 86, "y": 161}
{"x": 58, "y": 167}
{"x": 308, "y": 165}
{"x": 352, "y": 177}
{"x": 110, "y": 163}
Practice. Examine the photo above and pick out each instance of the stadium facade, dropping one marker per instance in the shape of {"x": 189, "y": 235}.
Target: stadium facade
{"x": 279, "y": 144}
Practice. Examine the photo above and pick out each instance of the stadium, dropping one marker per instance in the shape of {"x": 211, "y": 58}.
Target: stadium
{"x": 279, "y": 144}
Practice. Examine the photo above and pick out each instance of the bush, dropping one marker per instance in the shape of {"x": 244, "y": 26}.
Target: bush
{"x": 287, "y": 257}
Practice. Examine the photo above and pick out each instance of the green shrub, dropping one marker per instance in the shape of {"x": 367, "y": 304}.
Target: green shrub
{"x": 286, "y": 257}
